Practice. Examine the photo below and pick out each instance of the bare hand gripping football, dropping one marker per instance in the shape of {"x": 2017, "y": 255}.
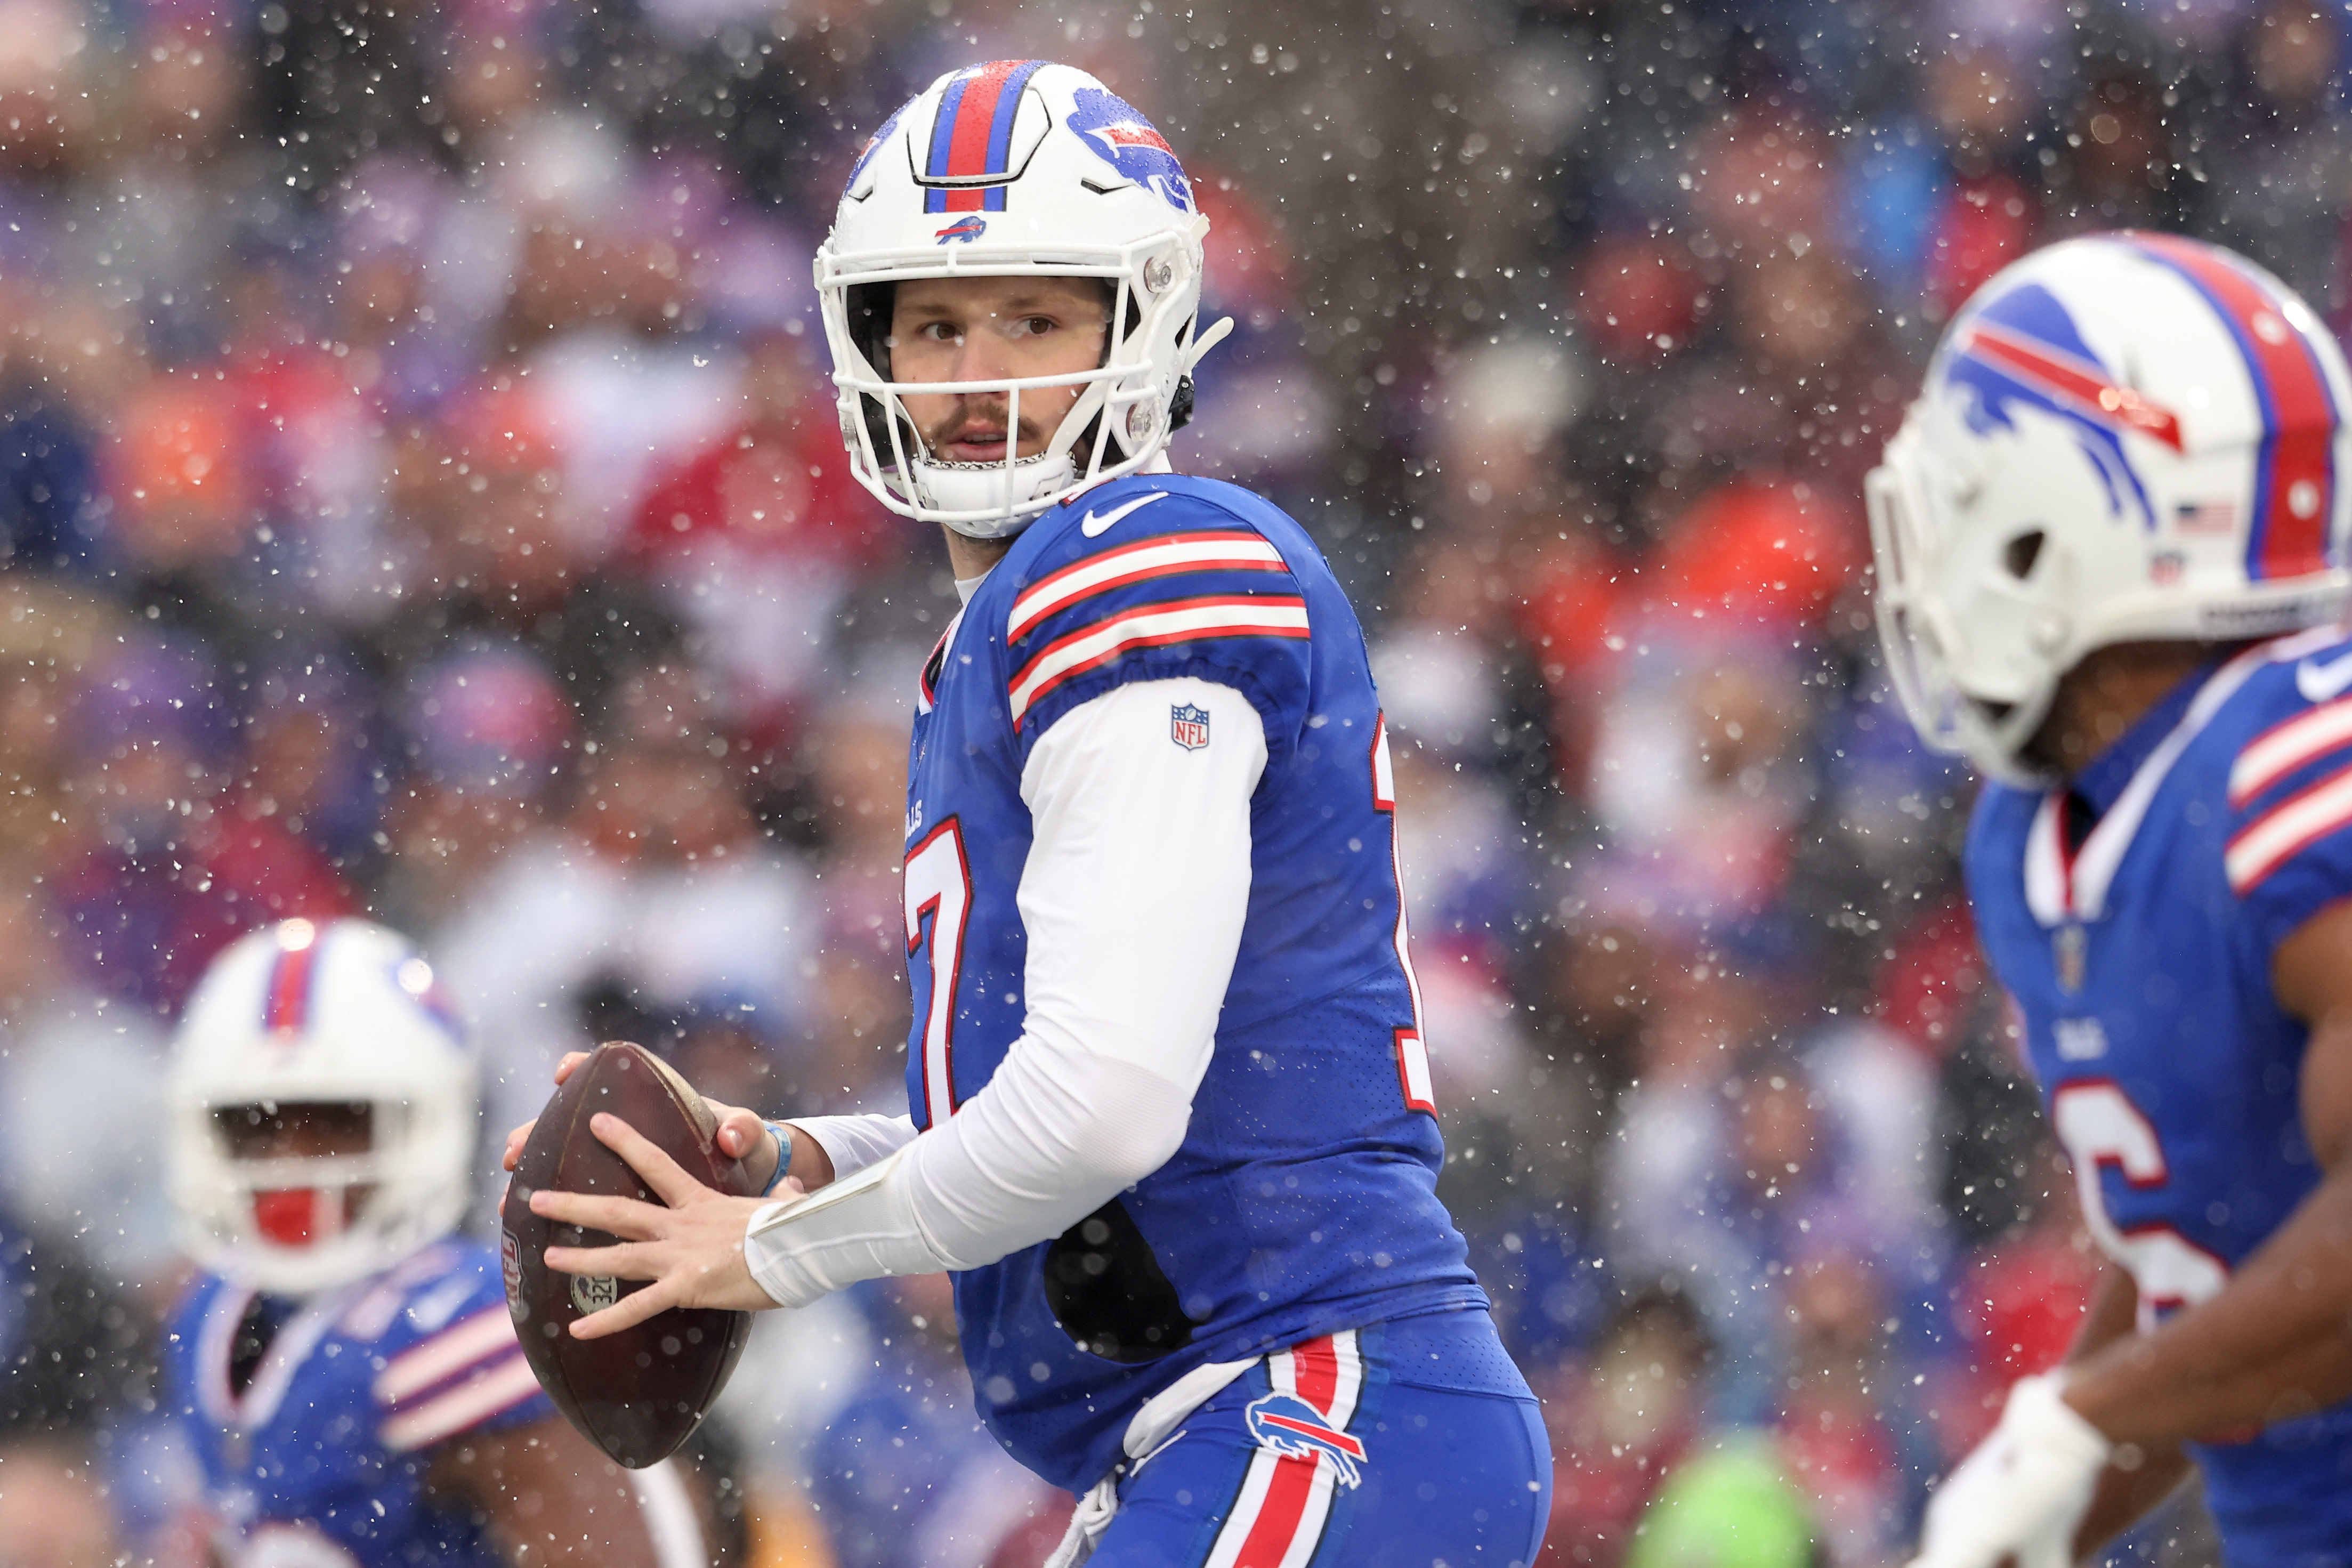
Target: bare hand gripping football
{"x": 627, "y": 1177}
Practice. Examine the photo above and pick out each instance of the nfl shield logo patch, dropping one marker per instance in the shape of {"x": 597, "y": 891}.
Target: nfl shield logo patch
{"x": 1188, "y": 726}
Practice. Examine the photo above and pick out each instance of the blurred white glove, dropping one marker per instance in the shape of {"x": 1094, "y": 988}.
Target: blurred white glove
{"x": 2024, "y": 1490}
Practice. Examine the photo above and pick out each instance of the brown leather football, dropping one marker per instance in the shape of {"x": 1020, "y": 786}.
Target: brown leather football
{"x": 637, "y": 1394}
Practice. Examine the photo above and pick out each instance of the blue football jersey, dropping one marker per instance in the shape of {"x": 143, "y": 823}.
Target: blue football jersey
{"x": 328, "y": 1442}
{"x": 2139, "y": 957}
{"x": 1303, "y": 1199}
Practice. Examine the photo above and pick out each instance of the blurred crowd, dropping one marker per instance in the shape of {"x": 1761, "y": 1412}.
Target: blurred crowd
{"x": 420, "y": 495}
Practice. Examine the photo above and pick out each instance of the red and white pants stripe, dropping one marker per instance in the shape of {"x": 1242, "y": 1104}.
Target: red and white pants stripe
{"x": 1277, "y": 1520}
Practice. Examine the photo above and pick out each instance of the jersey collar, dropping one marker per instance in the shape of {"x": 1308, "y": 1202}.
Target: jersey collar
{"x": 288, "y": 1349}
{"x": 2060, "y": 887}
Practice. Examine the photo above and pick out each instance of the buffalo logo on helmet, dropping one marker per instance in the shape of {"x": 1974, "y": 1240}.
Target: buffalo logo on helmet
{"x": 2022, "y": 347}
{"x": 966, "y": 229}
{"x": 1123, "y": 138}
{"x": 1288, "y": 1424}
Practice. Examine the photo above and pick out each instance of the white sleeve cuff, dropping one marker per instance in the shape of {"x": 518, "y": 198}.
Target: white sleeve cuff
{"x": 853, "y": 1142}
{"x": 1053, "y": 1136}
{"x": 861, "y": 1228}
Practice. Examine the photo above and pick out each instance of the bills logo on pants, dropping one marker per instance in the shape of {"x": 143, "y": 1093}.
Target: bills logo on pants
{"x": 1288, "y": 1424}
{"x": 1304, "y": 1452}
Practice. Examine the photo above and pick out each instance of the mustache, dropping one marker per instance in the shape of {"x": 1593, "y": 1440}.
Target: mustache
{"x": 986, "y": 413}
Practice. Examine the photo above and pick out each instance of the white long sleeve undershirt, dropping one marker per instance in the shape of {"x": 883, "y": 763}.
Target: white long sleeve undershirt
{"x": 1133, "y": 899}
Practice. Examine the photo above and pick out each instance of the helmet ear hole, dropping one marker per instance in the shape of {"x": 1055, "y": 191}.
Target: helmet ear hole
{"x": 2022, "y": 551}
{"x": 1994, "y": 712}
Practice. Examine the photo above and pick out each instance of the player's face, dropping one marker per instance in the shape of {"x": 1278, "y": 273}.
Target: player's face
{"x": 314, "y": 1131}
{"x": 994, "y": 329}
{"x": 297, "y": 1217}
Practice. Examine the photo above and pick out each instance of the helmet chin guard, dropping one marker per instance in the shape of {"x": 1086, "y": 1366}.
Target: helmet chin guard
{"x": 1017, "y": 168}
{"x": 2124, "y": 438}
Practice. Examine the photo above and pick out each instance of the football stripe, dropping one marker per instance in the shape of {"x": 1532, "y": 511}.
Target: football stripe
{"x": 2269, "y": 840}
{"x": 447, "y": 1353}
{"x": 1156, "y": 626}
{"x": 2284, "y": 748}
{"x": 502, "y": 1387}
{"x": 2294, "y": 482}
{"x": 1220, "y": 552}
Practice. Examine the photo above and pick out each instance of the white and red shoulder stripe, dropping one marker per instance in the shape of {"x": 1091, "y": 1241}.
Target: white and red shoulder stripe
{"x": 442, "y": 1356}
{"x": 453, "y": 1381}
{"x": 1228, "y": 550}
{"x": 499, "y": 1388}
{"x": 2271, "y": 839}
{"x": 2287, "y": 746}
{"x": 1155, "y": 625}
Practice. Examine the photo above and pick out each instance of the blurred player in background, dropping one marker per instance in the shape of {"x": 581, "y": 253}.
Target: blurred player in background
{"x": 1172, "y": 1121}
{"x": 346, "y": 1367}
{"x": 2101, "y": 535}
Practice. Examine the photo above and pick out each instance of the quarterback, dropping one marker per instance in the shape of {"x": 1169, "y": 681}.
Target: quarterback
{"x": 1170, "y": 1121}
{"x": 2111, "y": 542}
{"x": 344, "y": 1367}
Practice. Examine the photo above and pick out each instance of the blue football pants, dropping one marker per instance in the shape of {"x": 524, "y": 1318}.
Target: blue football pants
{"x": 1322, "y": 1455}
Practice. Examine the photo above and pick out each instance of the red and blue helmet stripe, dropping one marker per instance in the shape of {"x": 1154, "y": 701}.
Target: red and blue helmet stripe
{"x": 972, "y": 136}
{"x": 286, "y": 1003}
{"x": 2294, "y": 468}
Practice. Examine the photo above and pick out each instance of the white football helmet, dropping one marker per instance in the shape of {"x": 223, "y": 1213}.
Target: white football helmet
{"x": 2123, "y": 438}
{"x": 1017, "y": 167}
{"x": 345, "y": 1013}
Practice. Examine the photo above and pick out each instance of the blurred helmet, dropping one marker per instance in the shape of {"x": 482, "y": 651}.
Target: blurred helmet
{"x": 2123, "y": 438}
{"x": 341, "y": 1014}
{"x": 1016, "y": 168}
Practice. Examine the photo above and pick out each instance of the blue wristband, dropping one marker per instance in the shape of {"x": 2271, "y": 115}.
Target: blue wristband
{"x": 784, "y": 1156}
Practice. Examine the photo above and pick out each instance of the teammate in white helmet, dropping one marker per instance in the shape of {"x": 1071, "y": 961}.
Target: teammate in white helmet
{"x": 345, "y": 1367}
{"x": 1172, "y": 1120}
{"x": 2111, "y": 541}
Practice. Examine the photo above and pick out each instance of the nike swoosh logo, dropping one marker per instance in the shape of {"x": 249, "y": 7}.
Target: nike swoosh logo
{"x": 1094, "y": 526}
{"x": 2323, "y": 682}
